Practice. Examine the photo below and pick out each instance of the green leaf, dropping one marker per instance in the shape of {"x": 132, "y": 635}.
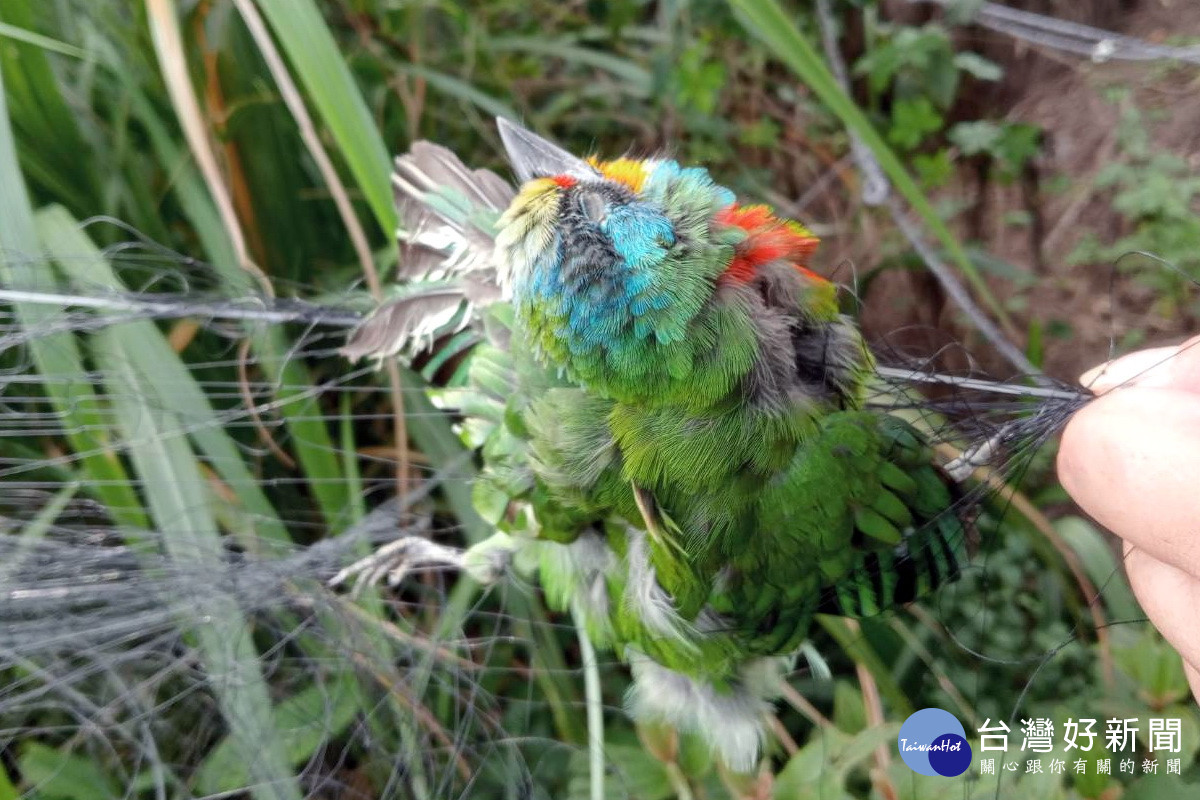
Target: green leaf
{"x": 1012, "y": 144}
{"x": 314, "y": 55}
{"x": 8, "y": 791}
{"x": 934, "y": 169}
{"x": 358, "y": 500}
{"x": 47, "y": 127}
{"x": 863, "y": 745}
{"x": 858, "y": 647}
{"x": 1019, "y": 143}
{"x": 156, "y": 441}
{"x": 808, "y": 774}
{"x": 1035, "y": 347}
{"x": 57, "y": 355}
{"x": 912, "y": 121}
{"x": 305, "y": 722}
{"x": 978, "y": 66}
{"x": 174, "y": 386}
{"x": 1100, "y": 564}
{"x": 849, "y": 713}
{"x": 1153, "y": 664}
{"x": 47, "y": 43}
{"x": 53, "y": 774}
{"x": 635, "y": 774}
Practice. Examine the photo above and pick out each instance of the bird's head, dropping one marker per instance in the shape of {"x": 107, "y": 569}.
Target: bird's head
{"x": 613, "y": 266}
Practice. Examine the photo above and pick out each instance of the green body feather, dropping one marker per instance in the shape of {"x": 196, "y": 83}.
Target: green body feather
{"x": 670, "y": 417}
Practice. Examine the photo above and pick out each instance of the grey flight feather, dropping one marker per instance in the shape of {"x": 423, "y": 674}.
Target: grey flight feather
{"x": 446, "y": 239}
{"x": 445, "y": 212}
{"x": 409, "y": 322}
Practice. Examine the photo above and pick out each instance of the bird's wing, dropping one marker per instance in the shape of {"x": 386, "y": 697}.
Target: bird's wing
{"x": 447, "y": 268}
{"x": 864, "y": 520}
{"x": 447, "y": 215}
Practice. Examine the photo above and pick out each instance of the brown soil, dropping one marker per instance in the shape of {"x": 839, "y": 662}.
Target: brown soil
{"x": 1065, "y": 96}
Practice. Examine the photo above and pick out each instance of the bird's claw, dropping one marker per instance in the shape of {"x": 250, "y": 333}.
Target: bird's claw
{"x": 486, "y": 561}
{"x": 395, "y": 560}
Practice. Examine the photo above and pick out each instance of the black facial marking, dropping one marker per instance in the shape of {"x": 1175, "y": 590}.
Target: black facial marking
{"x": 586, "y": 251}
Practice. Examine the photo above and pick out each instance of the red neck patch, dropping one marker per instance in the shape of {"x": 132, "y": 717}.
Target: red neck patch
{"x": 768, "y": 238}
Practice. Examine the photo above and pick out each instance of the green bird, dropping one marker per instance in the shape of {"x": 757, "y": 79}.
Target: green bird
{"x": 670, "y": 411}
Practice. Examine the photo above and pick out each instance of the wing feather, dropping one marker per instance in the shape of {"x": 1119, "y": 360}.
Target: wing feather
{"x": 447, "y": 214}
{"x": 411, "y": 322}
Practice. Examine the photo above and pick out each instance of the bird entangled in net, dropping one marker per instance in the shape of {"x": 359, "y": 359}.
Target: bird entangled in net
{"x": 183, "y": 471}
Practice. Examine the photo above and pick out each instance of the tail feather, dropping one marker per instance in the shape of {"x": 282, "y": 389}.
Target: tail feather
{"x": 930, "y": 556}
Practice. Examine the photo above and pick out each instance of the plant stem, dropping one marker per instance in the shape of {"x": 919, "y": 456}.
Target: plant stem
{"x": 595, "y": 711}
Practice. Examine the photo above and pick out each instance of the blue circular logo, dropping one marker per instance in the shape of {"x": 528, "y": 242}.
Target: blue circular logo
{"x": 932, "y": 742}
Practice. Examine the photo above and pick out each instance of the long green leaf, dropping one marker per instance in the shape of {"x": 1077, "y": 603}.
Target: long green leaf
{"x": 1102, "y": 567}
{"x": 173, "y": 386}
{"x": 52, "y": 146}
{"x": 187, "y": 185}
{"x": 175, "y": 492}
{"x": 295, "y": 399}
{"x": 326, "y": 76}
{"x": 457, "y": 87}
{"x": 56, "y": 355}
{"x": 635, "y": 76}
{"x": 47, "y": 43}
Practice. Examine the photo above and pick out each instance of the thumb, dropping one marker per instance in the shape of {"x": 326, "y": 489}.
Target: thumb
{"x": 1130, "y": 459}
{"x": 1176, "y": 367}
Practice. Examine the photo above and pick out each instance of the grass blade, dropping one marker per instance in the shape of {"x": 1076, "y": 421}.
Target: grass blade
{"x": 175, "y": 492}
{"x": 47, "y": 43}
{"x": 295, "y": 397}
{"x": 57, "y": 354}
{"x": 174, "y": 386}
{"x": 856, "y": 645}
{"x": 325, "y": 74}
{"x": 456, "y": 87}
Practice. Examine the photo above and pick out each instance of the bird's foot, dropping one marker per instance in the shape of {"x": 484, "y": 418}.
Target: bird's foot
{"x": 395, "y": 560}
{"x": 486, "y": 562}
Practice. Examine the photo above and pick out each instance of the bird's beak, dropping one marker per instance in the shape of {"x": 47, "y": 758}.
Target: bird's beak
{"x": 532, "y": 156}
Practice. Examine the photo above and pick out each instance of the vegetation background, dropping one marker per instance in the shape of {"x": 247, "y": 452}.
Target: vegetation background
{"x": 254, "y": 137}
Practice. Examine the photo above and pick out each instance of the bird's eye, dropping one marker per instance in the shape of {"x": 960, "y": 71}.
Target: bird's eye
{"x": 593, "y": 206}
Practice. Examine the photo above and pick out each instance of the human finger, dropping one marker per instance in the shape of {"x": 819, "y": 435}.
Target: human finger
{"x": 1131, "y": 459}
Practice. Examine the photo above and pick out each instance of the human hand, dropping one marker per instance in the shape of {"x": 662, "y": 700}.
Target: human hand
{"x": 1131, "y": 459}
